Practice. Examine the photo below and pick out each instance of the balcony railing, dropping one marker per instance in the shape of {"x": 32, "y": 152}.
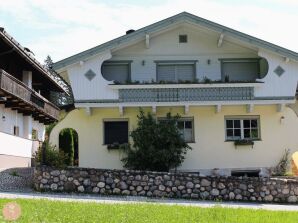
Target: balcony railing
{"x": 185, "y": 92}
{"x": 22, "y": 93}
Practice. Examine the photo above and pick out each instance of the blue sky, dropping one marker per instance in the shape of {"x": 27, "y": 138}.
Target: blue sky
{"x": 63, "y": 28}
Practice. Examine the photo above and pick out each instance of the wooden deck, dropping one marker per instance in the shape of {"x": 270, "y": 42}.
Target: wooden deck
{"x": 25, "y": 100}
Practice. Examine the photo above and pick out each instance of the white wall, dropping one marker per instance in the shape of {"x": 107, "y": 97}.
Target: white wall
{"x": 25, "y": 124}
{"x": 201, "y": 46}
{"x": 40, "y": 129}
{"x": 12, "y": 118}
{"x": 15, "y": 146}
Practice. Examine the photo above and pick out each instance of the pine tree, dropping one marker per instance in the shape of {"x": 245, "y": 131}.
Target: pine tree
{"x": 48, "y": 63}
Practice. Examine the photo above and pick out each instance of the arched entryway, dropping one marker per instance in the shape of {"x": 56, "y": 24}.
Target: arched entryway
{"x": 69, "y": 144}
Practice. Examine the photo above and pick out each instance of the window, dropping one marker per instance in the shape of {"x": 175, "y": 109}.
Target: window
{"x": 115, "y": 132}
{"x": 242, "y": 128}
{"x": 186, "y": 128}
{"x": 245, "y": 173}
{"x": 175, "y": 71}
{"x": 182, "y": 38}
{"x": 240, "y": 69}
{"x": 34, "y": 134}
{"x": 118, "y": 71}
{"x": 16, "y": 130}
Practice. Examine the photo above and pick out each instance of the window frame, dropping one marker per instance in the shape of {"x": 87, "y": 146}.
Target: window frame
{"x": 118, "y": 62}
{"x": 113, "y": 120}
{"x": 184, "y": 119}
{"x": 242, "y": 128}
{"x": 175, "y": 63}
{"x": 238, "y": 60}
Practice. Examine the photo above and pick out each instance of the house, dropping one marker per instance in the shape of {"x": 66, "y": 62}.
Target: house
{"x": 25, "y": 102}
{"x": 233, "y": 91}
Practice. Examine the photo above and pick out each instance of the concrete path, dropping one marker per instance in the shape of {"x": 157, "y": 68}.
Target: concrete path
{"x": 143, "y": 200}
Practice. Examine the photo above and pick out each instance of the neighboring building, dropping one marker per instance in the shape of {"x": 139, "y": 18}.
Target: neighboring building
{"x": 25, "y": 104}
{"x": 229, "y": 88}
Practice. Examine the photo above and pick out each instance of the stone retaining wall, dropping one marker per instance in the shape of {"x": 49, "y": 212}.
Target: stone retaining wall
{"x": 158, "y": 184}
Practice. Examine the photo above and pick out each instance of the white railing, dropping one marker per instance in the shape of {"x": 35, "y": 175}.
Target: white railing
{"x": 15, "y": 146}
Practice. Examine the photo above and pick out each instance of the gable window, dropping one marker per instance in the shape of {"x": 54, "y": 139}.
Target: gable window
{"x": 175, "y": 71}
{"x": 182, "y": 38}
{"x": 16, "y": 130}
{"x": 115, "y": 132}
{"x": 118, "y": 71}
{"x": 186, "y": 128}
{"x": 238, "y": 128}
{"x": 240, "y": 69}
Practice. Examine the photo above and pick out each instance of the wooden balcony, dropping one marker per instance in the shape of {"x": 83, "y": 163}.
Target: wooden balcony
{"x": 25, "y": 100}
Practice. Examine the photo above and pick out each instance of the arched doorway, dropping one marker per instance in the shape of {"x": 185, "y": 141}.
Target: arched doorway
{"x": 69, "y": 144}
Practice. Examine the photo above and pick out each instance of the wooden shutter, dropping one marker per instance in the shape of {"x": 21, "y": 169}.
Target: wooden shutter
{"x": 241, "y": 71}
{"x": 116, "y": 72}
{"x": 115, "y": 132}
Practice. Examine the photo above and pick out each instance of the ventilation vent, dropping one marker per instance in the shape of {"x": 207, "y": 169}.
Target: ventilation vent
{"x": 90, "y": 75}
{"x": 279, "y": 71}
{"x": 182, "y": 38}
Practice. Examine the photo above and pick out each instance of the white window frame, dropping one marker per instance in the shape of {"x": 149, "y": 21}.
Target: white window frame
{"x": 241, "y": 119}
{"x": 183, "y": 119}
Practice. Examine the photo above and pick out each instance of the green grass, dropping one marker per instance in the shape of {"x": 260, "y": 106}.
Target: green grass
{"x": 57, "y": 211}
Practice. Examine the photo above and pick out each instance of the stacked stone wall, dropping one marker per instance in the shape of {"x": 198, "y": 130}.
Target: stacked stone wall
{"x": 170, "y": 185}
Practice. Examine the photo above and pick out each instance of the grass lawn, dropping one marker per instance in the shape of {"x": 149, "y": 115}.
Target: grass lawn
{"x": 58, "y": 211}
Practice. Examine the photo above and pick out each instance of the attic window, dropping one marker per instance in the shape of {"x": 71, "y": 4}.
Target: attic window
{"x": 182, "y": 38}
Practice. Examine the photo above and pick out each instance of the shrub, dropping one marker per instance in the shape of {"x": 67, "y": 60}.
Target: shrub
{"x": 52, "y": 156}
{"x": 282, "y": 167}
{"x": 66, "y": 144}
{"x": 157, "y": 146}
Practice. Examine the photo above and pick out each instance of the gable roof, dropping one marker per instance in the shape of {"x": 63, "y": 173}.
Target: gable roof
{"x": 25, "y": 53}
{"x": 186, "y": 17}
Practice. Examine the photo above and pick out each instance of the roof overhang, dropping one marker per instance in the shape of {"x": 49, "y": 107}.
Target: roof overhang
{"x": 57, "y": 80}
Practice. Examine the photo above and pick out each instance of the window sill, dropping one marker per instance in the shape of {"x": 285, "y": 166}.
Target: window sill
{"x": 234, "y": 140}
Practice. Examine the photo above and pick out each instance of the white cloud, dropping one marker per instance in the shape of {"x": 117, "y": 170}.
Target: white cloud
{"x": 78, "y": 25}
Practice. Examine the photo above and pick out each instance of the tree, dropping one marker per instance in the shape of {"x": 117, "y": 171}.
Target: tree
{"x": 48, "y": 63}
{"x": 58, "y": 98}
{"x": 66, "y": 144}
{"x": 157, "y": 145}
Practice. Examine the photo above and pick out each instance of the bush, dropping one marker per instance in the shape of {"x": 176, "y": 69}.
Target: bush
{"x": 66, "y": 144}
{"x": 282, "y": 167}
{"x": 157, "y": 146}
{"x": 52, "y": 156}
